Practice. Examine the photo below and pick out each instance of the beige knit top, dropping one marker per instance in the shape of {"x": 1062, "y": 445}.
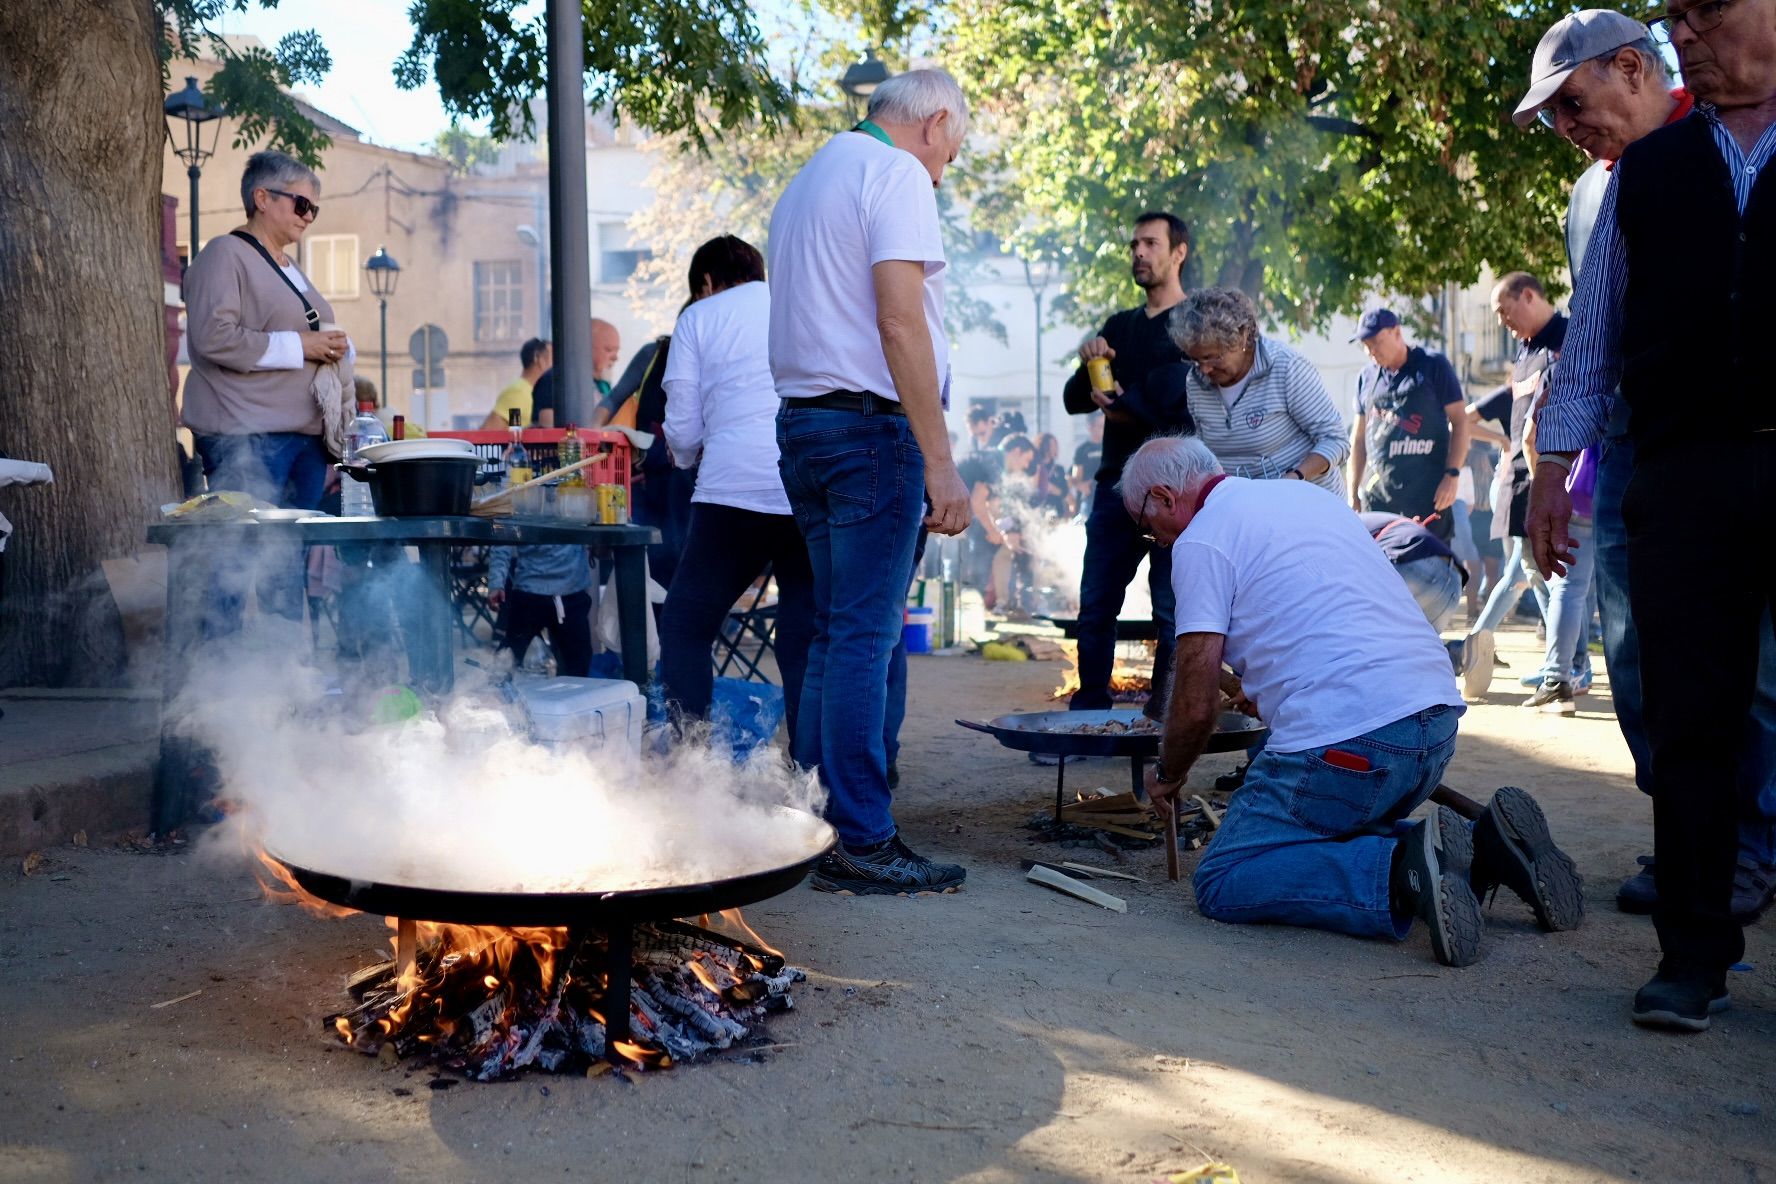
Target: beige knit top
{"x": 236, "y": 310}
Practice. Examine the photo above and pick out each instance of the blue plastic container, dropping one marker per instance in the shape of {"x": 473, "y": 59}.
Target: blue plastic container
{"x": 917, "y": 629}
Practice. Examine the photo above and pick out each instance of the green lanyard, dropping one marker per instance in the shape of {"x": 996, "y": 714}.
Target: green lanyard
{"x": 870, "y": 129}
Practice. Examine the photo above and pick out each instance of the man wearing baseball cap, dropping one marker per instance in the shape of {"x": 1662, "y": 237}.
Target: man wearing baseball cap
{"x": 1410, "y": 438}
{"x": 1688, "y": 215}
{"x": 1623, "y": 94}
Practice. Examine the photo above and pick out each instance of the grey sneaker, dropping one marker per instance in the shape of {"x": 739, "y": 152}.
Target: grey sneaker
{"x": 1681, "y": 997}
{"x": 1512, "y": 847}
{"x": 1754, "y": 885}
{"x": 1455, "y": 841}
{"x": 894, "y": 869}
{"x": 1477, "y": 657}
{"x": 1443, "y": 900}
{"x": 1553, "y": 697}
{"x": 1639, "y": 893}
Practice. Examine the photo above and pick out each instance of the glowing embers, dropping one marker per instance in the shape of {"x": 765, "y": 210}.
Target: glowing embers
{"x": 489, "y": 1002}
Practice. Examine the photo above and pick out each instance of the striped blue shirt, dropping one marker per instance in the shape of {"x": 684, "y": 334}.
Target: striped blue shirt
{"x": 1583, "y": 390}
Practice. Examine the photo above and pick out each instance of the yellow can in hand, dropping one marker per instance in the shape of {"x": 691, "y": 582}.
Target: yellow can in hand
{"x": 1098, "y": 370}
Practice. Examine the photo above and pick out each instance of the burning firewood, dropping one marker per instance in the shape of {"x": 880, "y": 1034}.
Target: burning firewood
{"x": 492, "y": 1003}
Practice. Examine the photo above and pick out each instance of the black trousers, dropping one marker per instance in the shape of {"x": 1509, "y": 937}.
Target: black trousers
{"x": 1700, "y": 535}
{"x": 569, "y": 628}
{"x": 1113, "y": 550}
{"x": 725, "y": 550}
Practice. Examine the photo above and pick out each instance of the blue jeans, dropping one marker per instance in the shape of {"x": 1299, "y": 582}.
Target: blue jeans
{"x": 1621, "y": 656}
{"x": 857, "y": 485}
{"x": 1113, "y": 550}
{"x": 286, "y": 469}
{"x": 1305, "y": 842}
{"x": 1437, "y": 586}
{"x": 1568, "y": 614}
{"x": 1505, "y": 594}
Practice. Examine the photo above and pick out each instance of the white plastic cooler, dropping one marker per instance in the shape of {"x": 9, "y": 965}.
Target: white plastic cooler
{"x": 583, "y": 712}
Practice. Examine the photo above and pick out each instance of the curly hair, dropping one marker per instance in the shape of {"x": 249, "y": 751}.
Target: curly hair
{"x": 1213, "y": 318}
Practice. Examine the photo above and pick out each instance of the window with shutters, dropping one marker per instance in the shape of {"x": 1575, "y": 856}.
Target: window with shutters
{"x": 499, "y": 300}
{"x": 332, "y": 265}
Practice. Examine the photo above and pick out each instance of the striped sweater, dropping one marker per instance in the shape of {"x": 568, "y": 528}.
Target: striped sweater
{"x": 1283, "y": 415}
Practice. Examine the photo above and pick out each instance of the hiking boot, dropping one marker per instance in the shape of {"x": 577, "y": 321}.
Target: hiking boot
{"x": 1553, "y": 697}
{"x": 1422, "y": 888}
{"x": 1477, "y": 658}
{"x": 1512, "y": 847}
{"x": 1455, "y": 841}
{"x": 1639, "y": 893}
{"x": 1681, "y": 997}
{"x": 1229, "y": 782}
{"x": 1754, "y": 885}
{"x": 893, "y": 869}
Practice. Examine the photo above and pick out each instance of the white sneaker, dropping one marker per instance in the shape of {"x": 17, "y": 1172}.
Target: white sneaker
{"x": 1477, "y": 657}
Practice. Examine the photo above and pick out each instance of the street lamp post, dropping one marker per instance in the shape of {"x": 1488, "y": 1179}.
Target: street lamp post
{"x": 862, "y": 77}
{"x": 384, "y": 274}
{"x": 192, "y": 109}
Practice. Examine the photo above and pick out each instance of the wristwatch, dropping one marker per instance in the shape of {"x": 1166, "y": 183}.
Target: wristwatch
{"x": 1452, "y": 472}
{"x": 1295, "y": 473}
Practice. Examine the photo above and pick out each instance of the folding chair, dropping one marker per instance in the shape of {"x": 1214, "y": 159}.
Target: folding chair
{"x": 749, "y": 633}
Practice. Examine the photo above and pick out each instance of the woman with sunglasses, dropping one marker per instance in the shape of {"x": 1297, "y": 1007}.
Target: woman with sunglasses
{"x": 258, "y": 333}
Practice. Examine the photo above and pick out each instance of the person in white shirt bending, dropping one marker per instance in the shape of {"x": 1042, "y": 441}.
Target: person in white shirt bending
{"x": 721, "y": 418}
{"x": 1283, "y": 584}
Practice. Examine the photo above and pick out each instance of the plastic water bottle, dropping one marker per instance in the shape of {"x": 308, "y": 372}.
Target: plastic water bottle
{"x": 366, "y": 429}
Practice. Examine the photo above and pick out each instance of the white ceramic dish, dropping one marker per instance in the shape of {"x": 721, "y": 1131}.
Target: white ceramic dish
{"x": 422, "y": 449}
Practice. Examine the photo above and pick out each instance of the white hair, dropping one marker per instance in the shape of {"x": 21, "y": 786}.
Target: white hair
{"x": 274, "y": 170}
{"x": 1175, "y": 462}
{"x": 1656, "y": 67}
{"x": 917, "y": 95}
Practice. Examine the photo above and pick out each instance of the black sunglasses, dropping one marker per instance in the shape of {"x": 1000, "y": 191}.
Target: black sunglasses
{"x": 303, "y": 207}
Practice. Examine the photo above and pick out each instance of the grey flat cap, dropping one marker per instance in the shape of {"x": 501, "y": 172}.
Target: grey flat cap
{"x": 1573, "y": 41}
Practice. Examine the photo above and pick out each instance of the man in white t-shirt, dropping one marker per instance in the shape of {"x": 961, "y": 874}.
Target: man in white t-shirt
{"x": 1284, "y": 585}
{"x": 860, "y": 361}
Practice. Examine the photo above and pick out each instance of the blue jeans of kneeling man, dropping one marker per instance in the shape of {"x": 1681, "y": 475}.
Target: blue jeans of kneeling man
{"x": 856, "y": 483}
{"x": 1305, "y": 842}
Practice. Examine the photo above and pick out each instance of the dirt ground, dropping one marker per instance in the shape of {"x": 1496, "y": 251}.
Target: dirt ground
{"x": 1002, "y": 1034}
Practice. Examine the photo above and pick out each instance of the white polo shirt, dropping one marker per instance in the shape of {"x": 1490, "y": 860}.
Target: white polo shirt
{"x": 856, "y": 203}
{"x": 1321, "y": 630}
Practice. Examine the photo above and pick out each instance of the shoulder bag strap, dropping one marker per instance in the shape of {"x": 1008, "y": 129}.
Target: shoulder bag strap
{"x": 314, "y": 318}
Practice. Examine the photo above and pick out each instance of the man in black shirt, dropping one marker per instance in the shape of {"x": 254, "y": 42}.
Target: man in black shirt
{"x": 1136, "y": 343}
{"x": 1411, "y": 436}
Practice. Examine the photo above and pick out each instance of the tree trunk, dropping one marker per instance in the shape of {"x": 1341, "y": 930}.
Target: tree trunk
{"x": 82, "y": 365}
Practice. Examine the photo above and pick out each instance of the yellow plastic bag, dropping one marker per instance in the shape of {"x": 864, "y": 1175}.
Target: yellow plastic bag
{"x": 1209, "y": 1173}
{"x": 999, "y": 651}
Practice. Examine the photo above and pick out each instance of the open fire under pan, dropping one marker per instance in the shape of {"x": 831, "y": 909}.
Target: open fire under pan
{"x": 613, "y": 915}
{"x": 1059, "y": 734}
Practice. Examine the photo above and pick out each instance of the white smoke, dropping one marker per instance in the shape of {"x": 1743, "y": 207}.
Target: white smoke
{"x": 1057, "y": 549}
{"x": 459, "y": 798}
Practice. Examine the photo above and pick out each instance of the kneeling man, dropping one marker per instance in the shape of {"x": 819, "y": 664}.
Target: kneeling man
{"x": 1285, "y": 585}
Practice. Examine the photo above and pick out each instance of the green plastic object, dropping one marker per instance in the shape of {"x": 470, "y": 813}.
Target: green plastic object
{"x": 396, "y": 705}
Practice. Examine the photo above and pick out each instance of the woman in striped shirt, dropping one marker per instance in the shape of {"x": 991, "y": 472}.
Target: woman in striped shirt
{"x": 1258, "y": 405}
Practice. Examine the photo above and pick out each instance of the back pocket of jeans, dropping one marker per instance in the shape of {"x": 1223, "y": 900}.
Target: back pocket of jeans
{"x": 1330, "y": 801}
{"x": 847, "y": 480}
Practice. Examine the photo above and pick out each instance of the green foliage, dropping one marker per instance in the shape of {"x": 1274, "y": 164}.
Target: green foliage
{"x": 466, "y": 149}
{"x": 1320, "y": 152}
{"x": 253, "y": 84}
{"x": 670, "y": 65}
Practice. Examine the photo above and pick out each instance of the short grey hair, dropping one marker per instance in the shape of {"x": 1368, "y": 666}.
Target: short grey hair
{"x": 1213, "y": 318}
{"x": 1650, "y": 57}
{"x": 274, "y": 170}
{"x": 1176, "y": 462}
{"x": 917, "y": 95}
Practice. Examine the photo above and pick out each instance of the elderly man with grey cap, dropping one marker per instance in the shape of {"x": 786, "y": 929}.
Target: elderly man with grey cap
{"x": 1622, "y": 93}
{"x": 1354, "y": 685}
{"x": 1673, "y": 305}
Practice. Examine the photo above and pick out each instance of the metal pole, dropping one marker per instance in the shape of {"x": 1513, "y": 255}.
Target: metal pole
{"x": 1041, "y": 406}
{"x": 194, "y": 173}
{"x": 383, "y": 300}
{"x": 570, "y": 248}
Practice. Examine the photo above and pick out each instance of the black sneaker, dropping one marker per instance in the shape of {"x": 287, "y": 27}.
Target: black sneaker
{"x": 1440, "y": 898}
{"x": 1455, "y": 841}
{"x": 1681, "y": 997}
{"x": 1553, "y": 697}
{"x": 1229, "y": 782}
{"x": 1639, "y": 893}
{"x": 1512, "y": 847}
{"x": 1754, "y": 886}
{"x": 893, "y": 869}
